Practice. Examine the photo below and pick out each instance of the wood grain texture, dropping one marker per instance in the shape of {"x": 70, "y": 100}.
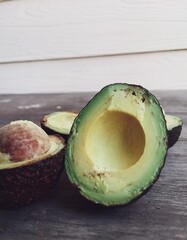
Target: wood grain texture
{"x": 161, "y": 214}
{"x": 154, "y": 71}
{"x": 45, "y": 29}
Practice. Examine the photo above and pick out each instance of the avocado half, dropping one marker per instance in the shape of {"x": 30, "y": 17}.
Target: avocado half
{"x": 61, "y": 123}
{"x": 174, "y": 126}
{"x": 58, "y": 123}
{"x": 24, "y": 182}
{"x": 117, "y": 145}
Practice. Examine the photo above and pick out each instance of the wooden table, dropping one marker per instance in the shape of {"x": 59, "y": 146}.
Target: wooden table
{"x": 64, "y": 214}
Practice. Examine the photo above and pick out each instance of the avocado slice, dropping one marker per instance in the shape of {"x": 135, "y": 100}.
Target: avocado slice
{"x": 61, "y": 123}
{"x": 58, "y": 122}
{"x": 26, "y": 181}
{"x": 174, "y": 126}
{"x": 117, "y": 145}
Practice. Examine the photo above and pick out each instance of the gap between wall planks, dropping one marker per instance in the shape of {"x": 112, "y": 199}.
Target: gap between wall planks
{"x": 43, "y": 29}
{"x": 166, "y": 70}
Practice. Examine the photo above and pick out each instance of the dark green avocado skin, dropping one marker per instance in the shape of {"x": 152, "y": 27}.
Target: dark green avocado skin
{"x": 173, "y": 135}
{"x": 24, "y": 184}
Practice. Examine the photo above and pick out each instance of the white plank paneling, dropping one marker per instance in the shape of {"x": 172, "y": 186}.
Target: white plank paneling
{"x": 45, "y": 29}
{"x": 154, "y": 71}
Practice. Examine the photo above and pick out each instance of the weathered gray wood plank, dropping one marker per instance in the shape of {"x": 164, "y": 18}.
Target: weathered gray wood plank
{"x": 64, "y": 214}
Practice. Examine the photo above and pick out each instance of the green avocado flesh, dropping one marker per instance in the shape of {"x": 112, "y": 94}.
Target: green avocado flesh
{"x": 173, "y": 121}
{"x": 117, "y": 145}
{"x": 59, "y": 122}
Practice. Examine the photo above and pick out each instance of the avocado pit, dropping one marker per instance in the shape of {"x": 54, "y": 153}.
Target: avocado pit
{"x": 20, "y": 140}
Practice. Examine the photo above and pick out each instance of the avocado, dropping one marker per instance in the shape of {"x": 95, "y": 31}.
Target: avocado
{"x": 30, "y": 163}
{"x": 174, "y": 126}
{"x": 58, "y": 122}
{"x": 117, "y": 145}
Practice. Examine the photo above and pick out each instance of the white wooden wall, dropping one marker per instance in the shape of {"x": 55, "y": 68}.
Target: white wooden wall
{"x": 82, "y": 45}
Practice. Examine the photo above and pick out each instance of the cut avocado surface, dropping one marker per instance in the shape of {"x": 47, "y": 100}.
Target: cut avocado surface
{"x": 174, "y": 126}
{"x": 58, "y": 122}
{"x": 24, "y": 182}
{"x": 61, "y": 123}
{"x": 117, "y": 145}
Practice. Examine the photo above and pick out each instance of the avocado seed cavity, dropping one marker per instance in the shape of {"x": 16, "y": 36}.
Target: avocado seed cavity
{"x": 22, "y": 140}
{"x": 123, "y": 138}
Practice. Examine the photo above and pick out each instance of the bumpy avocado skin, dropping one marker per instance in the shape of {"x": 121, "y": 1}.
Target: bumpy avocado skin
{"x": 24, "y": 184}
{"x": 74, "y": 132}
{"x": 173, "y": 135}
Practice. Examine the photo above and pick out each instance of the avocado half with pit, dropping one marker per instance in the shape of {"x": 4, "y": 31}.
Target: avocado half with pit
{"x": 61, "y": 123}
{"x": 30, "y": 163}
{"x": 117, "y": 145}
